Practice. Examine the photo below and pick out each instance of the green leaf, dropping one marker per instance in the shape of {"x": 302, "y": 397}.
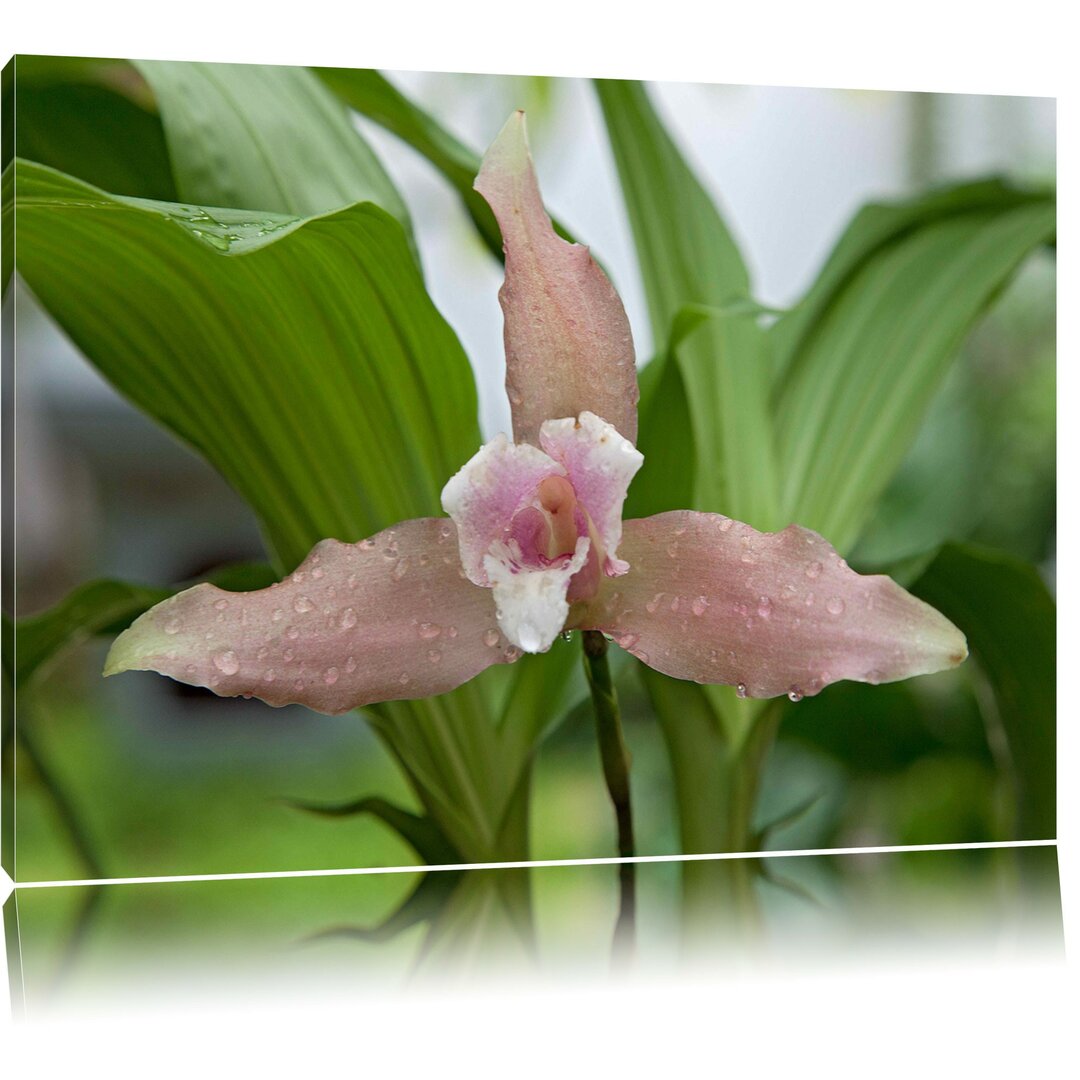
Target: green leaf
{"x": 1009, "y": 617}
{"x": 304, "y": 360}
{"x": 421, "y": 833}
{"x": 291, "y": 353}
{"x": 72, "y": 119}
{"x": 103, "y": 607}
{"x": 372, "y": 95}
{"x": 862, "y": 355}
{"x": 685, "y": 251}
{"x": 257, "y": 137}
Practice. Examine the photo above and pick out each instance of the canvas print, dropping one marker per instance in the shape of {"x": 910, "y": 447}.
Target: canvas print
{"x": 429, "y": 470}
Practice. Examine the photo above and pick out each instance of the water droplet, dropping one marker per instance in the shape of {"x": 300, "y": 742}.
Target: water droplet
{"x": 809, "y": 599}
{"x": 654, "y": 603}
{"x": 401, "y": 567}
{"x": 451, "y": 631}
{"x": 514, "y": 394}
{"x": 423, "y": 560}
{"x": 699, "y": 605}
{"x": 352, "y": 581}
{"x": 262, "y": 653}
{"x": 348, "y": 619}
{"x": 391, "y": 550}
{"x": 429, "y": 630}
{"x": 221, "y": 605}
{"x": 434, "y": 655}
{"x": 567, "y": 635}
{"x": 403, "y": 678}
{"x": 277, "y": 615}
{"x": 302, "y": 604}
{"x": 741, "y": 609}
{"x": 269, "y": 676}
{"x": 350, "y": 664}
{"x": 834, "y": 605}
{"x": 366, "y": 545}
{"x": 172, "y": 626}
{"x": 298, "y": 577}
{"x": 491, "y": 637}
{"x": 317, "y": 573}
{"x": 795, "y": 694}
{"x": 673, "y": 551}
{"x": 226, "y": 662}
{"x": 725, "y": 525}
{"x": 626, "y": 641}
{"x": 675, "y": 604}
{"x": 445, "y": 532}
{"x": 511, "y": 653}
{"x": 764, "y": 607}
{"x": 330, "y": 676}
{"x": 813, "y": 569}
{"x": 298, "y": 685}
{"x": 292, "y": 633}
{"x": 740, "y": 690}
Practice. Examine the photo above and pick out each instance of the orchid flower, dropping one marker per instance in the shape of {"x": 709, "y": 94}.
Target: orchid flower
{"x": 534, "y": 543}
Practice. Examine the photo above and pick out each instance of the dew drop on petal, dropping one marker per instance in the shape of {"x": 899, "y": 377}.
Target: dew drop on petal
{"x": 302, "y": 604}
{"x": 491, "y": 637}
{"x": 699, "y": 605}
{"x": 740, "y": 690}
{"x": 292, "y": 633}
{"x": 350, "y": 664}
{"x": 288, "y": 655}
{"x": 434, "y": 655}
{"x": 330, "y": 676}
{"x": 226, "y": 662}
{"x": 834, "y": 605}
{"x": 221, "y": 605}
{"x": 795, "y": 694}
{"x": 298, "y": 685}
{"x": 451, "y": 631}
{"x": 429, "y": 630}
{"x": 764, "y": 608}
{"x": 366, "y": 545}
{"x": 277, "y": 614}
{"x": 675, "y": 604}
{"x": 317, "y": 573}
{"x": 813, "y": 569}
{"x": 190, "y": 669}
{"x": 269, "y": 676}
{"x": 348, "y": 619}
{"x": 511, "y": 653}
{"x": 403, "y": 678}
{"x": 172, "y": 626}
{"x": 654, "y": 603}
{"x": 401, "y": 568}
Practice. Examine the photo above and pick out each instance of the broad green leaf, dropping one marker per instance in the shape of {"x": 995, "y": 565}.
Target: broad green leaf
{"x": 74, "y": 121}
{"x": 1009, "y": 618}
{"x": 372, "y": 95}
{"x": 257, "y": 137}
{"x": 693, "y": 272}
{"x": 304, "y": 360}
{"x": 685, "y": 251}
{"x": 103, "y": 607}
{"x": 292, "y": 353}
{"x": 863, "y": 354}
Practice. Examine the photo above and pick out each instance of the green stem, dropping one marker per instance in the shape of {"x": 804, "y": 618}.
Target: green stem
{"x": 615, "y": 759}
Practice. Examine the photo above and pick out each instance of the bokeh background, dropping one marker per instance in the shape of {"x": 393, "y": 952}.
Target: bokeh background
{"x": 169, "y": 780}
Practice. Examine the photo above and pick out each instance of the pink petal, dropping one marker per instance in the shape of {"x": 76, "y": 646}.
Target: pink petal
{"x": 713, "y": 600}
{"x": 391, "y": 617}
{"x": 568, "y": 344}
{"x": 485, "y": 493}
{"x": 600, "y": 464}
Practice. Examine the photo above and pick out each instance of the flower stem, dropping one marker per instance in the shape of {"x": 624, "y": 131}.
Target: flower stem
{"x": 616, "y": 763}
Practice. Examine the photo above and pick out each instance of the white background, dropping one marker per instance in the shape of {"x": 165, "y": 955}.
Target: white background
{"x": 990, "y": 1022}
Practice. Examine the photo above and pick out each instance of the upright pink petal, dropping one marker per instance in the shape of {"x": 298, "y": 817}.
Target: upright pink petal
{"x": 713, "y": 600}
{"x": 568, "y": 344}
{"x": 391, "y": 617}
{"x": 484, "y": 494}
{"x": 600, "y": 464}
